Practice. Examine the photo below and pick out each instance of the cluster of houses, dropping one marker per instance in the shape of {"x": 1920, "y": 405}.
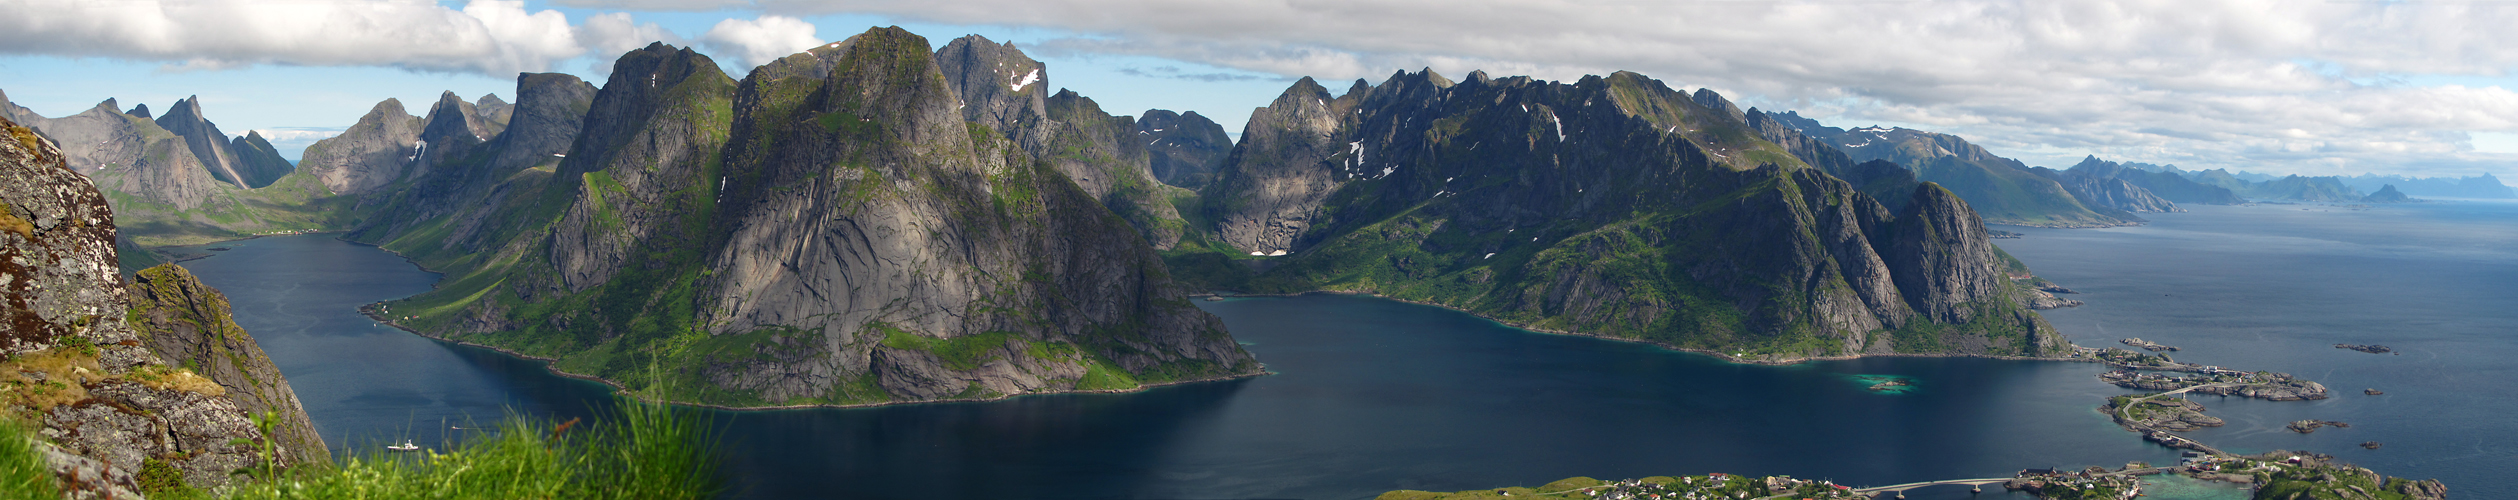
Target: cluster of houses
{"x": 1718, "y": 486}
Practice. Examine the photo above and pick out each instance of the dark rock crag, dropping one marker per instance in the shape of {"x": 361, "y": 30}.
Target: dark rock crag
{"x": 1185, "y": 148}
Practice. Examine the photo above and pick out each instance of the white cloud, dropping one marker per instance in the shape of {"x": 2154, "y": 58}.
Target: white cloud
{"x": 610, "y": 35}
{"x": 756, "y": 42}
{"x": 492, "y": 37}
{"x": 2237, "y": 82}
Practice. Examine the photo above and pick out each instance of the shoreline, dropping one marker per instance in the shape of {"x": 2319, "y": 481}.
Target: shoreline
{"x": 1667, "y": 346}
{"x": 552, "y": 365}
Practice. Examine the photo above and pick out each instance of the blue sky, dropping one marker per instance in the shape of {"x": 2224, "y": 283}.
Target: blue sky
{"x": 2321, "y": 88}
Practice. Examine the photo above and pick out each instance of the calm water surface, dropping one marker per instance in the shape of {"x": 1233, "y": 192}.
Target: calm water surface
{"x": 1373, "y": 395}
{"x": 2274, "y": 287}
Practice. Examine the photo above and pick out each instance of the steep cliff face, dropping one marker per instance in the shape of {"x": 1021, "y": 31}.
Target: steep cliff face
{"x": 1613, "y": 206}
{"x": 646, "y": 163}
{"x": 109, "y": 407}
{"x": 1007, "y": 91}
{"x": 834, "y": 230}
{"x": 1185, "y": 149}
{"x": 1274, "y": 182}
{"x": 376, "y": 151}
{"x": 895, "y": 239}
{"x": 187, "y": 324}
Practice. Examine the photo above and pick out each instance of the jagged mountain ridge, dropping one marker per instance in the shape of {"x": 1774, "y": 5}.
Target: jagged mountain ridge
{"x": 2108, "y": 191}
{"x": 2167, "y": 185}
{"x": 173, "y": 186}
{"x": 1008, "y": 91}
{"x": 832, "y": 229}
{"x": 1611, "y": 206}
{"x": 2004, "y": 190}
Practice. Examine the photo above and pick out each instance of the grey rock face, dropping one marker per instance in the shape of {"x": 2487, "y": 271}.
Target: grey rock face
{"x": 453, "y": 127}
{"x": 58, "y": 282}
{"x": 1007, "y": 91}
{"x": 215, "y": 151}
{"x": 1000, "y": 87}
{"x": 1942, "y": 257}
{"x": 187, "y": 324}
{"x": 1185, "y": 149}
{"x": 86, "y": 478}
{"x": 97, "y": 139}
{"x": 630, "y": 159}
{"x": 550, "y": 108}
{"x": 898, "y": 224}
{"x": 376, "y": 151}
{"x": 57, "y": 269}
{"x": 1273, "y": 184}
{"x": 124, "y": 424}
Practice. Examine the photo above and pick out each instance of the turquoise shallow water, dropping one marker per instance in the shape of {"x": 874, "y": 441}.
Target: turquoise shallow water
{"x": 1373, "y": 395}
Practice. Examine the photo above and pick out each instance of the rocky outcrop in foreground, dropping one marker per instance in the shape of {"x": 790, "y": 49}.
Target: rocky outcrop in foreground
{"x": 116, "y": 414}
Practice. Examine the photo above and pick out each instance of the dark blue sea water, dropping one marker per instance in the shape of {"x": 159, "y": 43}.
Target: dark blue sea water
{"x": 2274, "y": 287}
{"x": 1372, "y": 395}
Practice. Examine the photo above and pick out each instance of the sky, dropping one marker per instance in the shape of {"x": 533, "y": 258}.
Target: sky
{"x": 2420, "y": 88}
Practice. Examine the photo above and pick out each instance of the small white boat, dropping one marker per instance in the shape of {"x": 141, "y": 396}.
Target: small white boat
{"x": 405, "y": 446}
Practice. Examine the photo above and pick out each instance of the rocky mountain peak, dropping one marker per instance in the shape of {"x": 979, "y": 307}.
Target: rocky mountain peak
{"x": 999, "y": 86}
{"x": 1710, "y": 99}
{"x": 206, "y": 141}
{"x": 139, "y": 110}
{"x": 1184, "y": 149}
{"x": 643, "y": 82}
{"x": 374, "y": 152}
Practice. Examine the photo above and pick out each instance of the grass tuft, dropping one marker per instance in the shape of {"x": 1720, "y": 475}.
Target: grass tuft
{"x": 24, "y": 475}
{"x": 640, "y": 451}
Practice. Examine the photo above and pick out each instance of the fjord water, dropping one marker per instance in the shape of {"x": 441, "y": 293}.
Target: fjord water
{"x": 1372, "y": 395}
{"x": 2275, "y": 287}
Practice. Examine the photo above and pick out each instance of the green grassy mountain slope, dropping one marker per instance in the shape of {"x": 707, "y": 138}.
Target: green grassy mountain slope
{"x": 1611, "y": 206}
